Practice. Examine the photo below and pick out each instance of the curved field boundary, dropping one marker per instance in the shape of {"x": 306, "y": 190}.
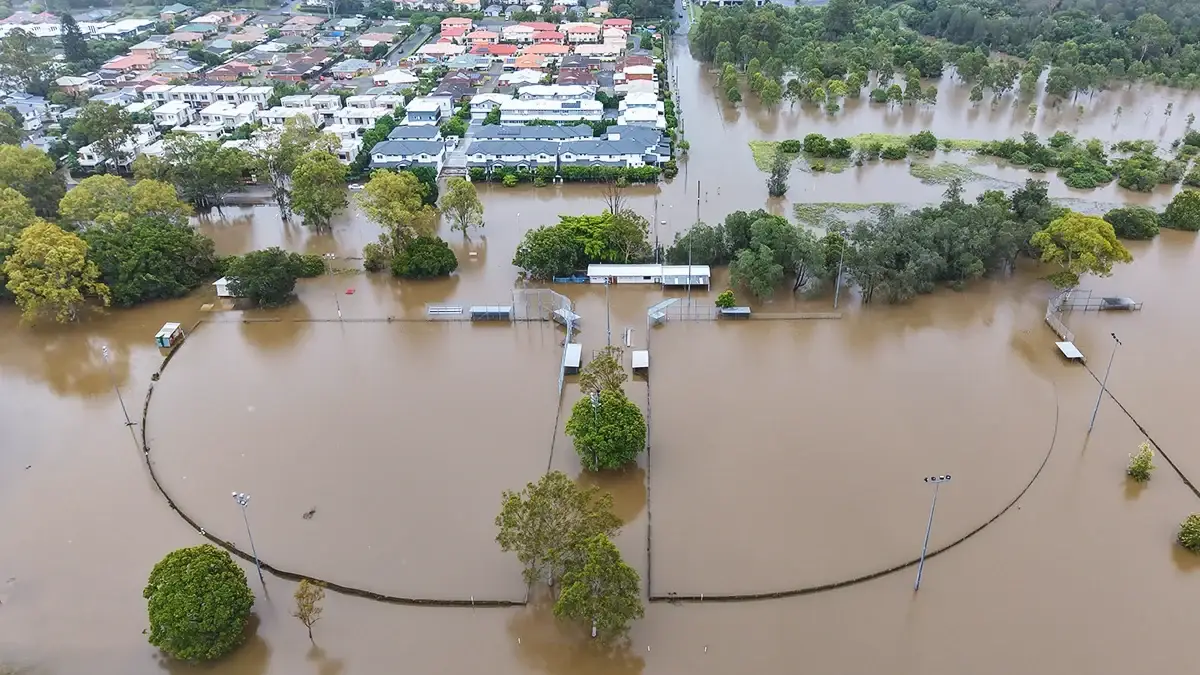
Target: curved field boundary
{"x": 279, "y": 572}
{"x": 834, "y": 585}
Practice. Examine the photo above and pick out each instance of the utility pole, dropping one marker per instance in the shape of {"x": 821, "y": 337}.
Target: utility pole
{"x": 243, "y": 499}
{"x": 336, "y": 301}
{"x": 838, "y": 288}
{"x": 124, "y": 411}
{"x": 607, "y": 312}
{"x": 1104, "y": 382}
{"x": 697, "y": 201}
{"x": 937, "y": 483}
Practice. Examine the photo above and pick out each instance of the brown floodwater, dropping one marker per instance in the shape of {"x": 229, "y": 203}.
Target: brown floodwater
{"x": 784, "y": 453}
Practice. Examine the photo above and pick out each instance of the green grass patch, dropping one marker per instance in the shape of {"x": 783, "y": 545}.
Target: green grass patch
{"x": 827, "y": 214}
{"x": 941, "y": 173}
{"x": 764, "y": 154}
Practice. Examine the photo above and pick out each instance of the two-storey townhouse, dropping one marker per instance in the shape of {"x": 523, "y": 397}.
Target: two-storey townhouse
{"x": 391, "y": 154}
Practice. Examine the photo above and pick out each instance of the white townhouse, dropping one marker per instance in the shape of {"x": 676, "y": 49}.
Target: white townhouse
{"x": 557, "y": 92}
{"x": 522, "y": 111}
{"x": 406, "y": 154}
{"x": 279, "y": 115}
{"x": 362, "y": 118}
{"x": 483, "y": 104}
{"x": 174, "y": 114}
{"x": 229, "y": 115}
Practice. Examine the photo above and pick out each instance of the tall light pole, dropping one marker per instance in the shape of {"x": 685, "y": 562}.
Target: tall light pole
{"x": 607, "y": 312}
{"x": 328, "y": 270}
{"x": 124, "y": 411}
{"x": 1104, "y": 382}
{"x": 243, "y": 500}
{"x": 837, "y": 291}
{"x": 937, "y": 483}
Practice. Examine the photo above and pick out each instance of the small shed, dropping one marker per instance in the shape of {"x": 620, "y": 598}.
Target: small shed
{"x": 735, "y": 313}
{"x": 572, "y": 358}
{"x": 1070, "y": 351}
{"x": 641, "y": 361}
{"x": 169, "y": 335}
{"x": 222, "y": 286}
{"x": 491, "y": 313}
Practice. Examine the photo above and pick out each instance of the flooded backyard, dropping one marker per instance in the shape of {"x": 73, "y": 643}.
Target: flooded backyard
{"x": 784, "y": 453}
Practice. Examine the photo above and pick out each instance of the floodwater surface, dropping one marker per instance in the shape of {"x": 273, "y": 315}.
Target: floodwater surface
{"x": 784, "y": 453}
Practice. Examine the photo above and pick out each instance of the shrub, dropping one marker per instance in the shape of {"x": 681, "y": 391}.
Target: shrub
{"x": 199, "y": 603}
{"x": 1192, "y": 138}
{"x": 538, "y": 181}
{"x": 726, "y": 299}
{"x": 924, "y": 141}
{"x": 1183, "y": 213}
{"x": 1019, "y": 158}
{"x": 1141, "y": 463}
{"x": 791, "y": 145}
{"x": 895, "y": 152}
{"x": 425, "y": 257}
{"x": 307, "y": 265}
{"x": 878, "y": 95}
{"x": 510, "y": 180}
{"x": 818, "y": 165}
{"x": 670, "y": 169}
{"x": 476, "y": 174}
{"x": 840, "y": 148}
{"x": 816, "y": 145}
{"x": 1172, "y": 172}
{"x": 1193, "y": 178}
{"x": 1189, "y": 533}
{"x": 1037, "y": 168}
{"x": 374, "y": 259}
{"x": 1133, "y": 222}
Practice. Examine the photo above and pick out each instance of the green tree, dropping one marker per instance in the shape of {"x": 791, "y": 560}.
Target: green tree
{"x": 816, "y": 145}
{"x": 395, "y": 201}
{"x": 1141, "y": 465}
{"x": 771, "y": 94}
{"x": 32, "y": 173}
{"x": 724, "y": 55}
{"x": 608, "y": 429}
{"x": 895, "y": 94}
{"x": 150, "y": 258}
{"x": 199, "y": 603}
{"x": 25, "y": 62}
{"x": 1183, "y": 213}
{"x": 1149, "y": 31}
{"x": 603, "y": 591}
{"x": 267, "y": 277}
{"x": 1133, "y": 222}
{"x": 319, "y": 188}
{"x": 547, "y": 523}
{"x": 379, "y": 132}
{"x": 604, "y": 372}
{"x": 548, "y": 251}
{"x": 202, "y": 171}
{"x": 276, "y": 158}
{"x": 725, "y": 299}
{"x": 733, "y": 94}
{"x": 308, "y": 597}
{"x": 74, "y": 47}
{"x": 48, "y": 273}
{"x": 1189, "y": 533}
{"x": 109, "y": 129}
{"x": 924, "y": 141}
{"x": 424, "y": 257}
{"x": 462, "y": 206}
{"x": 777, "y": 181}
{"x": 454, "y": 127}
{"x": 493, "y": 116}
{"x": 108, "y": 199}
{"x": 757, "y": 270}
{"x": 702, "y": 244}
{"x": 1080, "y": 245}
{"x": 11, "y": 133}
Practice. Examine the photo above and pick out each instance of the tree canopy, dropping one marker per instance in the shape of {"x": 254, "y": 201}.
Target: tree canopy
{"x": 267, "y": 277}
{"x": 150, "y": 258}
{"x": 49, "y": 274}
{"x": 110, "y": 199}
{"x": 319, "y": 188}
{"x": 576, "y": 241}
{"x": 202, "y": 171}
{"x": 32, "y": 173}
{"x": 276, "y": 159}
{"x": 603, "y": 591}
{"x": 461, "y": 205}
{"x": 608, "y": 430}
{"x": 1080, "y": 245}
{"x": 199, "y": 603}
{"x": 424, "y": 257}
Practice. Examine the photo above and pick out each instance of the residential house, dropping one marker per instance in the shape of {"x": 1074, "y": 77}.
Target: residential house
{"x": 495, "y": 52}
{"x": 604, "y": 52}
{"x": 118, "y": 98}
{"x": 451, "y": 22}
{"x": 579, "y": 61}
{"x": 125, "y": 29}
{"x": 349, "y": 24}
{"x": 229, "y": 115}
{"x": 130, "y": 62}
{"x": 177, "y": 70}
{"x": 556, "y": 92}
{"x": 157, "y": 94}
{"x": 512, "y": 154}
{"x": 580, "y": 33}
{"x": 576, "y": 76}
{"x": 549, "y": 50}
{"x": 248, "y": 34}
{"x": 184, "y": 38}
{"x": 492, "y": 11}
{"x": 369, "y": 41}
{"x": 557, "y": 134}
{"x": 327, "y": 105}
{"x": 422, "y": 111}
{"x": 456, "y": 35}
{"x": 394, "y": 77}
{"x": 392, "y": 101}
{"x": 486, "y": 37}
{"x": 90, "y": 159}
{"x": 636, "y": 86}
{"x": 259, "y": 96}
{"x": 361, "y": 101}
{"x": 277, "y": 116}
{"x": 363, "y": 118}
{"x": 531, "y": 62}
{"x": 301, "y": 24}
{"x": 522, "y": 77}
{"x": 268, "y": 21}
{"x": 539, "y": 25}
{"x": 348, "y": 138}
{"x": 405, "y": 154}
{"x": 408, "y": 132}
{"x": 456, "y": 87}
{"x": 154, "y": 49}
{"x": 351, "y": 68}
{"x": 611, "y": 150}
{"x": 209, "y": 131}
{"x": 465, "y": 5}
{"x": 549, "y": 37}
{"x": 219, "y": 47}
{"x": 622, "y": 24}
{"x": 518, "y": 34}
{"x": 176, "y": 12}
{"x": 214, "y": 18}
{"x": 173, "y": 114}
{"x": 643, "y": 110}
{"x": 196, "y": 95}
{"x": 206, "y": 29}
{"x": 441, "y": 50}
{"x": 296, "y": 101}
{"x": 469, "y": 62}
{"x": 73, "y": 85}
{"x": 483, "y": 104}
{"x": 613, "y": 35}
{"x": 520, "y": 111}
{"x": 295, "y": 67}
{"x": 231, "y": 72}
{"x": 599, "y": 10}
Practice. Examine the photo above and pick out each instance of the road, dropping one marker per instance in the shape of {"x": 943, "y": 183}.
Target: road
{"x": 410, "y": 45}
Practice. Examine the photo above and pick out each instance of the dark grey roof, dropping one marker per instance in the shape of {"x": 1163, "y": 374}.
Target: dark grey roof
{"x": 400, "y": 165}
{"x": 408, "y": 148}
{"x": 412, "y": 132}
{"x": 647, "y": 136}
{"x": 624, "y": 146}
{"x": 499, "y": 131}
{"x": 514, "y": 147}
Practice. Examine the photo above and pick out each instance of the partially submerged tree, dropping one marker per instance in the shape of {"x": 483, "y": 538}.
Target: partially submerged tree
{"x": 309, "y": 596}
{"x": 277, "y": 158}
{"x": 1080, "y": 245}
{"x": 462, "y": 206}
{"x": 1183, "y": 213}
{"x": 547, "y": 523}
{"x": 395, "y": 201}
{"x": 266, "y": 278}
{"x": 31, "y": 172}
{"x": 199, "y": 603}
{"x": 604, "y": 591}
{"x": 604, "y": 372}
{"x": 609, "y": 430}
{"x": 202, "y": 171}
{"x": 1141, "y": 464}
{"x": 319, "y": 188}
{"x": 777, "y": 184}
{"x": 150, "y": 258}
{"x": 48, "y": 273}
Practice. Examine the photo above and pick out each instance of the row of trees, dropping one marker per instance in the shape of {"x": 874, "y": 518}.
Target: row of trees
{"x": 897, "y": 256}
{"x": 561, "y": 249}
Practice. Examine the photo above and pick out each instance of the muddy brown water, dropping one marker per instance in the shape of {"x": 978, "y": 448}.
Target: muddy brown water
{"x": 784, "y": 453}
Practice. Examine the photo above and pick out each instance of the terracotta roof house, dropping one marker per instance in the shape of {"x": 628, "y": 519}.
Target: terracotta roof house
{"x": 456, "y": 34}
{"x": 635, "y": 60}
{"x": 539, "y": 25}
{"x": 252, "y": 34}
{"x": 582, "y": 32}
{"x": 231, "y": 72}
{"x": 441, "y": 50}
{"x": 184, "y": 38}
{"x": 306, "y": 19}
{"x": 549, "y": 37}
{"x": 124, "y": 64}
{"x": 548, "y": 49}
{"x": 494, "y": 50}
{"x": 580, "y": 76}
{"x": 369, "y": 40}
{"x": 215, "y": 18}
{"x": 624, "y": 24}
{"x": 530, "y": 62}
{"x": 483, "y": 37}
{"x": 456, "y": 22}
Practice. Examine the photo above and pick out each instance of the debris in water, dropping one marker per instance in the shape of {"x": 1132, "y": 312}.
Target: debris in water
{"x": 310, "y": 513}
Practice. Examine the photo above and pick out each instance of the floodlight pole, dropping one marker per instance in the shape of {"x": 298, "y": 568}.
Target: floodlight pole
{"x": 124, "y": 411}
{"x": 1104, "y": 382}
{"x": 243, "y": 500}
{"x": 937, "y": 483}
